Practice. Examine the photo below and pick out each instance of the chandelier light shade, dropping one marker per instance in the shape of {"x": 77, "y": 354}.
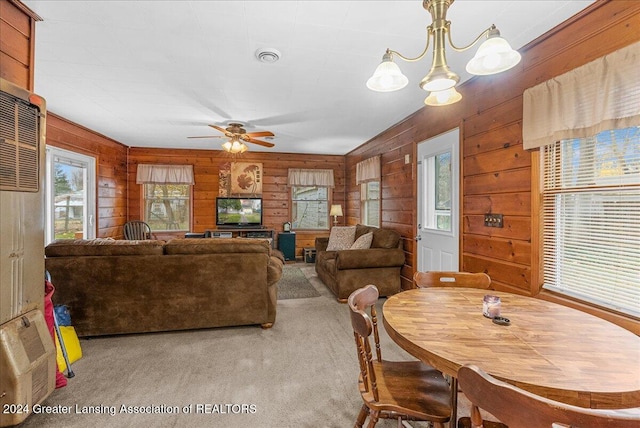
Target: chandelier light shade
{"x": 443, "y": 98}
{"x": 494, "y": 56}
{"x": 387, "y": 76}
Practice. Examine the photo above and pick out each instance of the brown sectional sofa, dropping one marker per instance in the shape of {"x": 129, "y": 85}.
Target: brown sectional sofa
{"x": 345, "y": 271}
{"x": 118, "y": 287}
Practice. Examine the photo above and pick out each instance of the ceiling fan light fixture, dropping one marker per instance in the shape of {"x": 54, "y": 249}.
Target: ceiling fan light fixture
{"x": 268, "y": 55}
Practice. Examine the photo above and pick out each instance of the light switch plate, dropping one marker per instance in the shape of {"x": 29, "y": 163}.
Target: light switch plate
{"x": 493, "y": 220}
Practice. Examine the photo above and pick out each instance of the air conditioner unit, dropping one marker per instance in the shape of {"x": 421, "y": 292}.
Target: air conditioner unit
{"x": 27, "y": 364}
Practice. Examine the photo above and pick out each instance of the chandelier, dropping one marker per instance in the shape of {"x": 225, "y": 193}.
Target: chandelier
{"x": 235, "y": 146}
{"x": 493, "y": 56}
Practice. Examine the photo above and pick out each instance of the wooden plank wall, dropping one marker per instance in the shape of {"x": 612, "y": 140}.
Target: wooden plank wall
{"x": 17, "y": 27}
{"x": 275, "y": 192}
{"x": 111, "y": 170}
{"x": 496, "y": 171}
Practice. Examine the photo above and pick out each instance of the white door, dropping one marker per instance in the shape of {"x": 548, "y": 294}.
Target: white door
{"x": 71, "y": 195}
{"x": 438, "y": 196}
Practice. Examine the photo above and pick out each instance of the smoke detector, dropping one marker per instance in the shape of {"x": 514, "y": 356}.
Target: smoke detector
{"x": 268, "y": 55}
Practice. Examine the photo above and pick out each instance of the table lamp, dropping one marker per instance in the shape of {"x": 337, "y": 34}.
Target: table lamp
{"x": 336, "y": 210}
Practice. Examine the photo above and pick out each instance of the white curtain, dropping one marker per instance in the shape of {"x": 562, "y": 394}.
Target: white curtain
{"x": 368, "y": 170}
{"x": 603, "y": 94}
{"x": 310, "y": 177}
{"x": 164, "y": 174}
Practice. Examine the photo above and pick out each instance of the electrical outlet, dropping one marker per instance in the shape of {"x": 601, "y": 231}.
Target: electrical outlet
{"x": 493, "y": 220}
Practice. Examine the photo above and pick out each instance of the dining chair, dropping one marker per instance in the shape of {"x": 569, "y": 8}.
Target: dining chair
{"x": 452, "y": 279}
{"x": 137, "y": 230}
{"x": 518, "y": 408}
{"x": 409, "y": 390}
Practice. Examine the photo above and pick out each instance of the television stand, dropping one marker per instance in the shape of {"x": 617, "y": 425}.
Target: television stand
{"x": 255, "y": 232}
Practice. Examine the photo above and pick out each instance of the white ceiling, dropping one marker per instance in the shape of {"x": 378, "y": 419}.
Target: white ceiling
{"x": 152, "y": 73}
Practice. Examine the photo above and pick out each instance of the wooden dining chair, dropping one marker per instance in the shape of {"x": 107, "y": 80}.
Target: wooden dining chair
{"x": 137, "y": 230}
{"x": 452, "y": 279}
{"x": 518, "y": 408}
{"x": 409, "y": 390}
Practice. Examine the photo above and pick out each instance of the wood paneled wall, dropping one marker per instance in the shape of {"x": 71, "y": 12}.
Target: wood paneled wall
{"x": 206, "y": 163}
{"x": 496, "y": 171}
{"x": 111, "y": 170}
{"x": 17, "y": 27}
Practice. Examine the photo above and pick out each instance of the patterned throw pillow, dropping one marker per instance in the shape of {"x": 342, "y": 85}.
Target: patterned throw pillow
{"x": 341, "y": 238}
{"x": 363, "y": 242}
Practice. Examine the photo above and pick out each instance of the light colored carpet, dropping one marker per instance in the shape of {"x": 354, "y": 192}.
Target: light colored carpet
{"x": 294, "y": 284}
{"x": 300, "y": 373}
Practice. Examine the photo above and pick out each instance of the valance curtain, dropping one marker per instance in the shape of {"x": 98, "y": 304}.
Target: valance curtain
{"x": 368, "y": 170}
{"x": 164, "y": 174}
{"x": 603, "y": 94}
{"x": 310, "y": 177}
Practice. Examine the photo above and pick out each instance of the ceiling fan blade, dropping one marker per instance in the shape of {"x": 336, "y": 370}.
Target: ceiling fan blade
{"x": 260, "y": 142}
{"x": 260, "y": 134}
{"x": 224, "y": 131}
{"x": 210, "y": 136}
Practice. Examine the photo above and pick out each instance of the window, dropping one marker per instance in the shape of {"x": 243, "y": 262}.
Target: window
{"x": 166, "y": 206}
{"x": 370, "y": 203}
{"x": 591, "y": 213}
{"x": 368, "y": 176}
{"x": 438, "y": 192}
{"x": 70, "y": 193}
{"x": 310, "y": 207}
{"x": 166, "y": 193}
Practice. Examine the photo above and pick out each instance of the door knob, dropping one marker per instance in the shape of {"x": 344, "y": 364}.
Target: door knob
{"x": 418, "y": 238}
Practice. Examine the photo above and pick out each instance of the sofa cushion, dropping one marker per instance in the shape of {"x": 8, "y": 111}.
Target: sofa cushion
{"x": 103, "y": 247}
{"x": 341, "y": 238}
{"x": 217, "y": 245}
{"x": 382, "y": 238}
{"x": 363, "y": 242}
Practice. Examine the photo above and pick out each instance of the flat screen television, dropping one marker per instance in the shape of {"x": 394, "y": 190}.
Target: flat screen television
{"x": 239, "y": 212}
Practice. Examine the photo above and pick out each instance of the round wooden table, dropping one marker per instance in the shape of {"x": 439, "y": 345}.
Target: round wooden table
{"x": 548, "y": 349}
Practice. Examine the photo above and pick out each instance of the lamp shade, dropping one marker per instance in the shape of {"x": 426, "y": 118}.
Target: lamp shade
{"x": 387, "y": 77}
{"x": 443, "y": 98}
{"x": 336, "y": 210}
{"x": 493, "y": 56}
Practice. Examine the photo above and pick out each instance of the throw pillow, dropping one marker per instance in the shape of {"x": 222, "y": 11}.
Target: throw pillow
{"x": 341, "y": 238}
{"x": 363, "y": 242}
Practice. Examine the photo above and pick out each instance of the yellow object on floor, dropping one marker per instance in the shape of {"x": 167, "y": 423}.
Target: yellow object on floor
{"x": 72, "y": 345}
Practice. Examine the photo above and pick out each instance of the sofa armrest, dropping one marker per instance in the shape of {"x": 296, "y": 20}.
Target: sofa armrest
{"x": 369, "y": 258}
{"x": 321, "y": 244}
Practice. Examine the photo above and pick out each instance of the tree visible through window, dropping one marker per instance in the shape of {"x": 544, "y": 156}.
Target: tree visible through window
{"x": 310, "y": 207}
{"x": 591, "y": 212}
{"x": 166, "y": 206}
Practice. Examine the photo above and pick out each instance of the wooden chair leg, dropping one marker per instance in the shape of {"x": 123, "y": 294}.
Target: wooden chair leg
{"x": 476, "y": 417}
{"x": 373, "y": 419}
{"x": 362, "y": 416}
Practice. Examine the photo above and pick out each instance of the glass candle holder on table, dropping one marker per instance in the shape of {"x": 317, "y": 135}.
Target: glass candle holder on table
{"x": 491, "y": 306}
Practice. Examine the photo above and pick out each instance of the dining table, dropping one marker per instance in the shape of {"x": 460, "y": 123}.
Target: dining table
{"x": 548, "y": 349}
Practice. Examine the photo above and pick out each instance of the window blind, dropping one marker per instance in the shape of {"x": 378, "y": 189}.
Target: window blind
{"x": 591, "y": 211}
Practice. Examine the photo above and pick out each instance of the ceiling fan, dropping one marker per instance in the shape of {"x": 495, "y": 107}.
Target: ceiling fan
{"x": 238, "y": 136}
